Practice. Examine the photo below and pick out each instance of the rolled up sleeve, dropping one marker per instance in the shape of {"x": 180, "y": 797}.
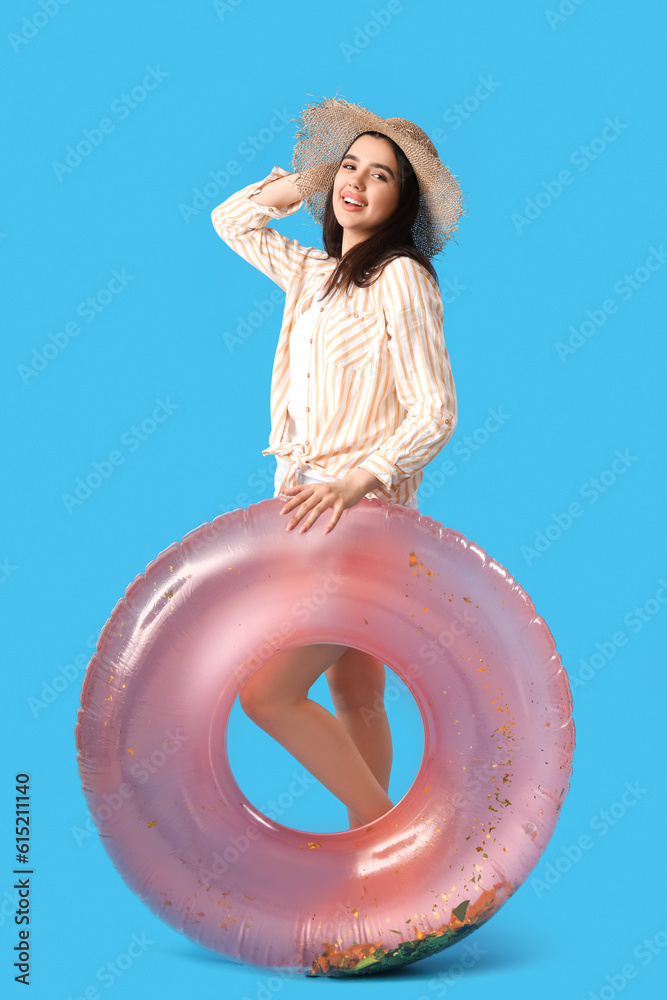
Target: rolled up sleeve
{"x": 422, "y": 373}
{"x": 243, "y": 225}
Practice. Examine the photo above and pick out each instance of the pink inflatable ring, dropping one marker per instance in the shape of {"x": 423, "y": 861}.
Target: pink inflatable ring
{"x": 454, "y": 625}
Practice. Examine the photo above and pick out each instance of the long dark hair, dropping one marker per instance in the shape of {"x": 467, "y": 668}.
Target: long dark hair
{"x": 363, "y": 262}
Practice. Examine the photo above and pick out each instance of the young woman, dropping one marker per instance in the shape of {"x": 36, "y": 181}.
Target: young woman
{"x": 362, "y": 396}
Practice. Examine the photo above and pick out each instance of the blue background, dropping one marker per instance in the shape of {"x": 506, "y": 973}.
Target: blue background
{"x": 535, "y": 89}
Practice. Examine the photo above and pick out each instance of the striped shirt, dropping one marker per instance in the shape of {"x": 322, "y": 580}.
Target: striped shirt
{"x": 379, "y": 388}
{"x": 299, "y": 363}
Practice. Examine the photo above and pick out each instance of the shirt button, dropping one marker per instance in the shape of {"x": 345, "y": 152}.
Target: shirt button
{"x": 310, "y": 341}
{"x": 321, "y": 309}
{"x": 307, "y": 374}
{"x": 308, "y": 411}
{"x": 307, "y": 444}
{"x": 356, "y": 315}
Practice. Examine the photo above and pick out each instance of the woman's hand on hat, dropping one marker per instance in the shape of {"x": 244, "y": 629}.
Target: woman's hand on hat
{"x": 313, "y": 500}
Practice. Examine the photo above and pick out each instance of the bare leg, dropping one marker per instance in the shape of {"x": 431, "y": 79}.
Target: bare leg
{"x": 275, "y": 698}
{"x": 356, "y": 682}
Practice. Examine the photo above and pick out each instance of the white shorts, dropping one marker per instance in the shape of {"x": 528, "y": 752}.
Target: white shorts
{"x": 303, "y": 478}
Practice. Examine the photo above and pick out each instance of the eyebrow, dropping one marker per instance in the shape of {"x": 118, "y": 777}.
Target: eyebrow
{"x": 382, "y": 166}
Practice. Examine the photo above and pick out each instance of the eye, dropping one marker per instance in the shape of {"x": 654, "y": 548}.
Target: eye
{"x": 352, "y": 166}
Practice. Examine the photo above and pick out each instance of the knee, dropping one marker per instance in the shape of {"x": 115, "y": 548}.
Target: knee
{"x": 256, "y": 701}
{"x": 358, "y": 684}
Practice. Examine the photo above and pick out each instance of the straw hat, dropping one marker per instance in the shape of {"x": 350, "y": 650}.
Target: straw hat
{"x": 325, "y": 131}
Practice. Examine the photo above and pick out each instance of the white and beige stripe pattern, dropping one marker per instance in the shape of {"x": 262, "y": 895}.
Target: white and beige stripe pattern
{"x": 380, "y": 394}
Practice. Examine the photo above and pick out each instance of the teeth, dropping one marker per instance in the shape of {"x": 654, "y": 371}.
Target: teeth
{"x": 351, "y": 201}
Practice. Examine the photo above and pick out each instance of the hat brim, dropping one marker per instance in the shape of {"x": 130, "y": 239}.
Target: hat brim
{"x": 327, "y": 128}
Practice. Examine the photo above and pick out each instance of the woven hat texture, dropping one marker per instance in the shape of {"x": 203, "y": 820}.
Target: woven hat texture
{"x": 326, "y": 129}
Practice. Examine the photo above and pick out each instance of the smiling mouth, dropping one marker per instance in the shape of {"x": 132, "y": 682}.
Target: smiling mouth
{"x": 352, "y": 202}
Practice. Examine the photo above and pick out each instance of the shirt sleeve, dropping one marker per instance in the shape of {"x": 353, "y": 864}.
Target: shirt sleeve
{"x": 242, "y": 224}
{"x": 423, "y": 377}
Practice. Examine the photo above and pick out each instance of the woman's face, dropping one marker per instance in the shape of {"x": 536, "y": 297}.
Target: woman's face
{"x": 368, "y": 174}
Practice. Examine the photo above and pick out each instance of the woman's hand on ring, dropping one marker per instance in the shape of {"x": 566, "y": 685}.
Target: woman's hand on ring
{"x": 314, "y": 500}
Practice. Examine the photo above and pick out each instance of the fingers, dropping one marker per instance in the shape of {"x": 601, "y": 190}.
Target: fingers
{"x": 312, "y": 515}
{"x": 310, "y": 509}
{"x": 338, "y": 508}
{"x": 299, "y": 500}
{"x": 310, "y": 520}
{"x": 301, "y": 494}
{"x": 333, "y": 522}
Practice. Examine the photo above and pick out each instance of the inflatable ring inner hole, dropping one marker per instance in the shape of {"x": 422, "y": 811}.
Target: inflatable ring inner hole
{"x": 281, "y": 789}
